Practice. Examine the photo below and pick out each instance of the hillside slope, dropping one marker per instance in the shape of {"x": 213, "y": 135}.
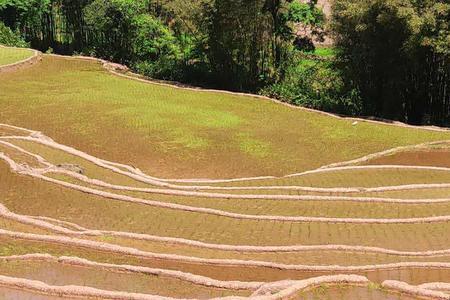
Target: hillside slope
{"x": 184, "y": 133}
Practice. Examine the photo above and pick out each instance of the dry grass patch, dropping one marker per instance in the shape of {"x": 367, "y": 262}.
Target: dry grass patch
{"x": 11, "y": 225}
{"x": 58, "y": 157}
{"x": 438, "y": 158}
{"x": 10, "y": 293}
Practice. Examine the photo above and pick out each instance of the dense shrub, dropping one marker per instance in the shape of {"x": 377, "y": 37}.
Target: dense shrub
{"x": 110, "y": 23}
{"x": 10, "y": 38}
{"x": 156, "y": 51}
{"x": 314, "y": 81}
{"x": 126, "y": 32}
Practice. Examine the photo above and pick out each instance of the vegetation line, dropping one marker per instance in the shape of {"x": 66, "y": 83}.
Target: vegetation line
{"x": 45, "y": 223}
{"x": 405, "y": 288}
{"x": 27, "y": 61}
{"x": 54, "y": 169}
{"x": 216, "y": 212}
{"x": 112, "y": 248}
{"x": 192, "y": 278}
{"x": 103, "y": 184}
{"x": 224, "y": 247}
{"x": 138, "y": 175}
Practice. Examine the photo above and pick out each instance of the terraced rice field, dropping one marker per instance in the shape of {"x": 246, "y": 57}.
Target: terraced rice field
{"x": 114, "y": 188}
{"x": 13, "y": 55}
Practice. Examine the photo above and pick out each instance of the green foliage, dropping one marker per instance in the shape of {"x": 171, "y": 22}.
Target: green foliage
{"x": 10, "y": 38}
{"x": 25, "y": 12}
{"x": 127, "y": 33}
{"x": 397, "y": 54}
{"x": 325, "y": 52}
{"x": 112, "y": 22}
{"x": 305, "y": 13}
{"x": 156, "y": 51}
{"x": 308, "y": 21}
{"x": 315, "y": 82}
{"x": 250, "y": 41}
{"x": 152, "y": 39}
{"x": 239, "y": 39}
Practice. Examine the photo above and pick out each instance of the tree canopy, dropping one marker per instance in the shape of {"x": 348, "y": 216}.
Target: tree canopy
{"x": 396, "y": 52}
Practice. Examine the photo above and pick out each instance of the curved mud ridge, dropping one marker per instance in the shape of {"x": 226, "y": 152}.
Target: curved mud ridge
{"x": 63, "y": 228}
{"x": 287, "y": 290}
{"x": 192, "y": 278}
{"x": 172, "y": 189}
{"x": 76, "y": 236}
{"x": 216, "y": 212}
{"x": 269, "y": 291}
{"x": 138, "y": 175}
{"x": 417, "y": 291}
{"x": 40, "y": 174}
{"x": 36, "y": 57}
{"x": 112, "y": 248}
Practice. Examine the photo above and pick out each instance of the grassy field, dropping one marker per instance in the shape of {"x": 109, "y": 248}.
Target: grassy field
{"x": 9, "y": 56}
{"x": 386, "y": 217}
{"x": 182, "y": 133}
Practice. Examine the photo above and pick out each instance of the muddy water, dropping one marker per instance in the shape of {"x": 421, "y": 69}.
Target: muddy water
{"x": 435, "y": 157}
{"x": 352, "y": 293}
{"x": 7, "y": 131}
{"x": 63, "y": 274}
{"x": 13, "y": 294}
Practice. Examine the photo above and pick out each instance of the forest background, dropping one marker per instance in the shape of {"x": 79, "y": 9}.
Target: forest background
{"x": 381, "y": 58}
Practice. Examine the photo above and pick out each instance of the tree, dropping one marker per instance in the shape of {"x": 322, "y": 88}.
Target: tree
{"x": 251, "y": 41}
{"x": 396, "y": 53}
{"x": 10, "y": 38}
{"x": 239, "y": 43}
{"x": 155, "y": 49}
{"x": 111, "y": 24}
{"x": 28, "y": 16}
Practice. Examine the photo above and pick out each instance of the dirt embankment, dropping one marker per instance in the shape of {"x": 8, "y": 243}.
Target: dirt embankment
{"x": 36, "y": 57}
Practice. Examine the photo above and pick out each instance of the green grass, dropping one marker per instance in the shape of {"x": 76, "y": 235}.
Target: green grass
{"x": 320, "y": 52}
{"x": 171, "y": 132}
{"x": 28, "y": 196}
{"x": 325, "y": 52}
{"x": 182, "y": 133}
{"x": 337, "y": 209}
{"x": 12, "y": 55}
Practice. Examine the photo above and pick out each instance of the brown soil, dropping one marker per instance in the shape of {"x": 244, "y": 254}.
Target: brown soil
{"x": 436, "y": 157}
{"x": 9, "y": 293}
{"x": 351, "y": 293}
{"x": 413, "y": 276}
{"x": 61, "y": 274}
